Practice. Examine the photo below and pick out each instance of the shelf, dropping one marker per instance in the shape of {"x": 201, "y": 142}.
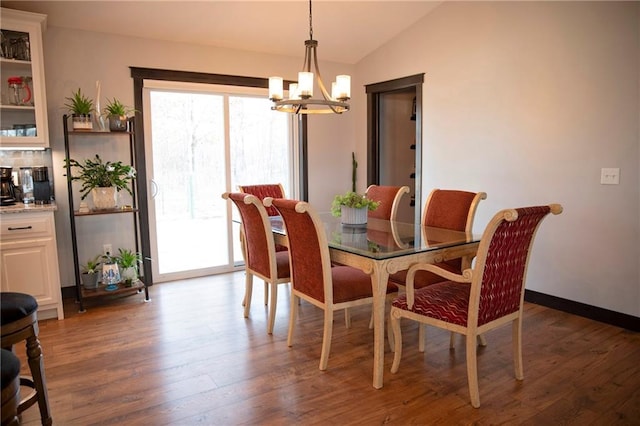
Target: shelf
{"x": 100, "y": 291}
{"x": 97, "y": 132}
{"x": 124, "y": 209}
{"x": 15, "y": 62}
{"x": 18, "y": 107}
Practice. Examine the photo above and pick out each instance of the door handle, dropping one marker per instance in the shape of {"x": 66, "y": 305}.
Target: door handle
{"x": 154, "y": 188}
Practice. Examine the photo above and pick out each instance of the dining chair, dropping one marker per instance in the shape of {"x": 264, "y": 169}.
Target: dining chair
{"x": 313, "y": 278}
{"x": 260, "y": 256}
{"x": 482, "y": 298}
{"x": 389, "y": 198}
{"x": 448, "y": 209}
{"x": 275, "y": 190}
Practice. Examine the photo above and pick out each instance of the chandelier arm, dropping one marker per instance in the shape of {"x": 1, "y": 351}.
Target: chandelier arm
{"x": 323, "y": 89}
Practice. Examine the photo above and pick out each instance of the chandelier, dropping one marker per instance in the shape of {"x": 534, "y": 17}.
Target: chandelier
{"x": 301, "y": 100}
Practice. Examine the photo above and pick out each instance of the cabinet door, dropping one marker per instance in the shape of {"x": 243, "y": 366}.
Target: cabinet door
{"x": 23, "y": 118}
{"x": 27, "y": 267}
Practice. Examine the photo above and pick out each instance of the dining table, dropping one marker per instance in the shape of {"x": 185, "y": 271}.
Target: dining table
{"x": 383, "y": 247}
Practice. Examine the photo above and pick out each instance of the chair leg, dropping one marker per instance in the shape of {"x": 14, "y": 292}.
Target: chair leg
{"x": 481, "y": 340}
{"x": 452, "y": 340}
{"x": 266, "y": 293}
{"x": 293, "y": 314}
{"x": 516, "y": 328}
{"x": 326, "y": 339}
{"x": 248, "y": 290}
{"x": 272, "y": 306}
{"x": 472, "y": 369}
{"x": 36, "y": 365}
{"x": 422, "y": 337}
{"x": 394, "y": 318}
{"x": 347, "y": 318}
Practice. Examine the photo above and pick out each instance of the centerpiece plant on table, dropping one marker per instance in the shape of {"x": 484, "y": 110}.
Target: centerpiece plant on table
{"x": 102, "y": 179}
{"x": 351, "y": 206}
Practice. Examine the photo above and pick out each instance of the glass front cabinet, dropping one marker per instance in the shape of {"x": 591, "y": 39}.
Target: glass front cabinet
{"x": 23, "y": 118}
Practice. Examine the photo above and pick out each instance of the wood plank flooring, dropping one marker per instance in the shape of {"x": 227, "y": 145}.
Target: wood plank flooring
{"x": 190, "y": 358}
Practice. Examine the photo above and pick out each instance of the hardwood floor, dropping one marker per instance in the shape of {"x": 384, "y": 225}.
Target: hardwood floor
{"x": 189, "y": 357}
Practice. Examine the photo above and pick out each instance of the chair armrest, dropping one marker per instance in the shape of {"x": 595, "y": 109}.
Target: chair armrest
{"x": 465, "y": 277}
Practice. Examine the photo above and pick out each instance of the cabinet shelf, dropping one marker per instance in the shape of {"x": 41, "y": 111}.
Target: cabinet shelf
{"x": 25, "y": 29}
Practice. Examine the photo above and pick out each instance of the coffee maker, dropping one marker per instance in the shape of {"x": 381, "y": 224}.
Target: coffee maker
{"x": 8, "y": 192}
{"x": 41, "y": 186}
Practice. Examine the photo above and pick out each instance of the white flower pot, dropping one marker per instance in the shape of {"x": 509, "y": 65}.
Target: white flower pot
{"x": 352, "y": 216}
{"x": 82, "y": 122}
{"x": 105, "y": 198}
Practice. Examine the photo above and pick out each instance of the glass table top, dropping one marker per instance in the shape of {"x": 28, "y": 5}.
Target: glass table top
{"x": 383, "y": 239}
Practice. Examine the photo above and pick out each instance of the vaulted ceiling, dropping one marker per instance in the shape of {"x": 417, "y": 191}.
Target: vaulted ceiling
{"x": 346, "y": 30}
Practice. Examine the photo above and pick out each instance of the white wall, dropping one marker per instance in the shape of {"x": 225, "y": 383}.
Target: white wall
{"x": 527, "y": 101}
{"x": 78, "y": 58}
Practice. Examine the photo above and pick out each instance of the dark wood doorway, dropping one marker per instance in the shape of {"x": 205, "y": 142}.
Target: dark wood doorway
{"x": 394, "y": 138}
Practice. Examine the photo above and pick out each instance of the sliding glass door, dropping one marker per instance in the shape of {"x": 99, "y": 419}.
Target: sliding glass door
{"x": 202, "y": 140}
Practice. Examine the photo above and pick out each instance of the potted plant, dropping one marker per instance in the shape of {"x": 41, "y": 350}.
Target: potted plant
{"x": 80, "y": 108}
{"x": 352, "y": 207}
{"x": 102, "y": 180}
{"x": 128, "y": 262}
{"x": 117, "y": 113}
{"x": 91, "y": 273}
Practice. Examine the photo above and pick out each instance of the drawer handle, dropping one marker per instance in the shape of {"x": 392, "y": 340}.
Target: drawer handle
{"x": 19, "y": 228}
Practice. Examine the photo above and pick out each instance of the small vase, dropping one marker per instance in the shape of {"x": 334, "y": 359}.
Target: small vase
{"x": 105, "y": 198}
{"x": 353, "y": 216}
{"x": 118, "y": 123}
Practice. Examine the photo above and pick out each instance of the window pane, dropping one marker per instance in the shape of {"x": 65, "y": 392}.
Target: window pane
{"x": 189, "y": 172}
{"x": 259, "y": 143}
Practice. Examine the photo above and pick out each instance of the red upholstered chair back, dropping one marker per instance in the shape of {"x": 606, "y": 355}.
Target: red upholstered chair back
{"x": 273, "y": 190}
{"x": 259, "y": 244}
{"x": 308, "y": 249}
{"x": 504, "y": 254}
{"x": 389, "y": 198}
{"x": 451, "y": 209}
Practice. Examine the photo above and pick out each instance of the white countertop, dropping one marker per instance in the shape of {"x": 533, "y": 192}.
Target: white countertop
{"x": 29, "y": 208}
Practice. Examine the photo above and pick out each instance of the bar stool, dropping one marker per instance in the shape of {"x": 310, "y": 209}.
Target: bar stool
{"x": 19, "y": 323}
{"x": 10, "y": 387}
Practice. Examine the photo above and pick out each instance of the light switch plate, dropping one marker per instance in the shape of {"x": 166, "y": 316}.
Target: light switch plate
{"x": 610, "y": 176}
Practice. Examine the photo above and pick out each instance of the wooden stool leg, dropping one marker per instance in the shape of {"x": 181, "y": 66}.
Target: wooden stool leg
{"x": 36, "y": 365}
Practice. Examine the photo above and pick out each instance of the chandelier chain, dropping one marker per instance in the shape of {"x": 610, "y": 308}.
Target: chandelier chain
{"x": 310, "y": 22}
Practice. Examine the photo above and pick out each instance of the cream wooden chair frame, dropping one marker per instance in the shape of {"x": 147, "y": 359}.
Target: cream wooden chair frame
{"x": 269, "y": 281}
{"x": 328, "y": 306}
{"x": 472, "y": 277}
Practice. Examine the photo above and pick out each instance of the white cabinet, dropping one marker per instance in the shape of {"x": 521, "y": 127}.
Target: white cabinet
{"x": 23, "y": 118}
{"x": 29, "y": 260}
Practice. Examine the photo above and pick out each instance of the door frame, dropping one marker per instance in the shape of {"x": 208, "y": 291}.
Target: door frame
{"x": 374, "y": 94}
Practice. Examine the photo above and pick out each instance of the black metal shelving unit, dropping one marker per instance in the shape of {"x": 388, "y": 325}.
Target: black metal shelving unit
{"x": 134, "y": 211}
